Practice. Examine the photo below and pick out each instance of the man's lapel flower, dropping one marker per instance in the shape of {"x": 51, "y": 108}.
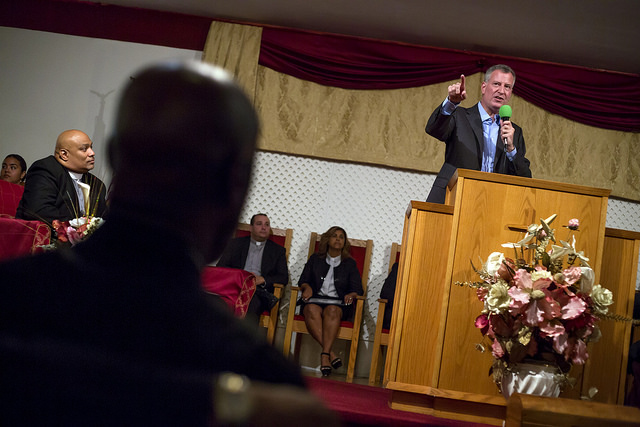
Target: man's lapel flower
{"x": 74, "y": 231}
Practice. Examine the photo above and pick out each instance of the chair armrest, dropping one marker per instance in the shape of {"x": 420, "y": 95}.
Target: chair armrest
{"x": 278, "y": 289}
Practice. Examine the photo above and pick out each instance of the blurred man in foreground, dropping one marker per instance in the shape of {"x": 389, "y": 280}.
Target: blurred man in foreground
{"x": 117, "y": 330}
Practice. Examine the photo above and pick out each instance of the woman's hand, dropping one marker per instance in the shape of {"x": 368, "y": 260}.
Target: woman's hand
{"x": 348, "y": 298}
{"x": 307, "y": 292}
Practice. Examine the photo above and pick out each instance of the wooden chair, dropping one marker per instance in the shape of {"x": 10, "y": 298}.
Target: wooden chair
{"x": 381, "y": 338}
{"x": 281, "y": 236}
{"x": 350, "y": 331}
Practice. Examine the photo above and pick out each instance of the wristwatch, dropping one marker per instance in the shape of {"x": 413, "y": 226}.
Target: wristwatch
{"x": 232, "y": 401}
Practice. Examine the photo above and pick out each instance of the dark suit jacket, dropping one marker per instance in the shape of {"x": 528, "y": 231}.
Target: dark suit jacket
{"x": 346, "y": 276}
{"x": 462, "y": 134}
{"x": 49, "y": 193}
{"x": 129, "y": 292}
{"x": 274, "y": 260}
{"x": 388, "y": 292}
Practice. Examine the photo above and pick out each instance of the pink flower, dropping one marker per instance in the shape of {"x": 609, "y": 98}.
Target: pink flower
{"x": 582, "y": 325}
{"x": 496, "y": 349}
{"x": 74, "y": 236}
{"x": 482, "y": 323}
{"x": 61, "y": 229}
{"x": 560, "y": 343}
{"x": 504, "y": 271}
{"x": 552, "y": 328}
{"x": 574, "y": 224}
{"x": 576, "y": 351}
{"x": 520, "y": 294}
{"x": 573, "y": 308}
{"x": 532, "y": 299}
{"x": 572, "y": 275}
{"x": 482, "y": 293}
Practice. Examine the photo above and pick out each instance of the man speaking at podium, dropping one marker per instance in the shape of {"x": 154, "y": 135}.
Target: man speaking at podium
{"x": 477, "y": 138}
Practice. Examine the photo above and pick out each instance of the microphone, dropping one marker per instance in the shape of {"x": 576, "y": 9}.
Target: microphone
{"x": 505, "y": 114}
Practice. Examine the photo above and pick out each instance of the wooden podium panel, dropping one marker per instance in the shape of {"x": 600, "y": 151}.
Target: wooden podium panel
{"x": 423, "y": 261}
{"x": 606, "y": 368}
{"x": 432, "y": 348}
{"x": 485, "y": 206}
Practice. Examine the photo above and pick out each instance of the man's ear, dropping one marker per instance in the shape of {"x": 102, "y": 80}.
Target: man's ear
{"x": 63, "y": 154}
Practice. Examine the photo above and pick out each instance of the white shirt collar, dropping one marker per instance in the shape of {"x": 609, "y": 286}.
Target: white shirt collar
{"x": 255, "y": 242}
{"x": 75, "y": 175}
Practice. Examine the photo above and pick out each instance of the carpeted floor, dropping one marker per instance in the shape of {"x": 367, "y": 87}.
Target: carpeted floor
{"x": 363, "y": 405}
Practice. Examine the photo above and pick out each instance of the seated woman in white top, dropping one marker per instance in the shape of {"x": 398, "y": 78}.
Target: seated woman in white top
{"x": 329, "y": 284}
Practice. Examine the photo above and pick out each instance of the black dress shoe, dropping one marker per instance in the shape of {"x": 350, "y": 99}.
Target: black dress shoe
{"x": 325, "y": 369}
{"x": 336, "y": 363}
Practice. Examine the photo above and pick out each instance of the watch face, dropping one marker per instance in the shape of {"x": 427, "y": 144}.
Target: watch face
{"x": 232, "y": 403}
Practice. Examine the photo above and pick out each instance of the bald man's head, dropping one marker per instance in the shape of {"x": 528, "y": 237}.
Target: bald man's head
{"x": 74, "y": 151}
{"x": 183, "y": 147}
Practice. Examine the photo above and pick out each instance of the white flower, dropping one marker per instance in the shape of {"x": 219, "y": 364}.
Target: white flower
{"x": 498, "y": 299}
{"x": 602, "y": 298}
{"x": 493, "y": 263}
{"x": 78, "y": 222}
{"x": 540, "y": 274}
{"x": 586, "y": 279}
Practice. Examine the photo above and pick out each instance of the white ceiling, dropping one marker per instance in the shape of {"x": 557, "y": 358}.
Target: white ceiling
{"x": 592, "y": 33}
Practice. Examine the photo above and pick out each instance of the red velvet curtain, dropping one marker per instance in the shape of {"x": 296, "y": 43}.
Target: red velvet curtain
{"x": 598, "y": 98}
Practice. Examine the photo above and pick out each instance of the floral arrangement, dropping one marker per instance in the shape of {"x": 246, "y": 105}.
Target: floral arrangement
{"x": 541, "y": 304}
{"x": 69, "y": 233}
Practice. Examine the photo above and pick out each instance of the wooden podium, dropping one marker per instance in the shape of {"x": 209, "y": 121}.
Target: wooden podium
{"x": 432, "y": 364}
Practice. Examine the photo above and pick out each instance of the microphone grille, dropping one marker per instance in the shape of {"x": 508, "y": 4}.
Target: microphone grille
{"x": 505, "y": 112}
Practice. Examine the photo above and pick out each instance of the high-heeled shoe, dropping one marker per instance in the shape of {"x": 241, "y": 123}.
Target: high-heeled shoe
{"x": 336, "y": 363}
{"x": 325, "y": 369}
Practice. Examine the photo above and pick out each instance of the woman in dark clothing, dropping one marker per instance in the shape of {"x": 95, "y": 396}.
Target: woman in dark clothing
{"x": 329, "y": 284}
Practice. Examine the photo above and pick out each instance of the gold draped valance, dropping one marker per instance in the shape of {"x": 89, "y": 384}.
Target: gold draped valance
{"x": 386, "y": 127}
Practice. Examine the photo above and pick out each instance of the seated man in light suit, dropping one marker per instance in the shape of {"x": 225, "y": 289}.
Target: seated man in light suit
{"x": 52, "y": 191}
{"x": 476, "y": 138}
{"x": 261, "y": 256}
{"x": 117, "y": 330}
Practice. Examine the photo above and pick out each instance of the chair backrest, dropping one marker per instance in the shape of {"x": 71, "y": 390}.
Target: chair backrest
{"x": 360, "y": 251}
{"x": 281, "y": 236}
{"x": 20, "y": 237}
{"x": 10, "y": 195}
{"x": 394, "y": 256}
